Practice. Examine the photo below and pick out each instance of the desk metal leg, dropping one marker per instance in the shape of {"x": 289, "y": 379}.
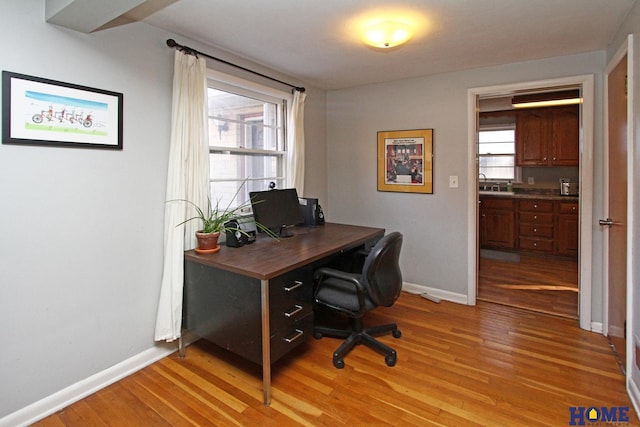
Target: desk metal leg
{"x": 266, "y": 343}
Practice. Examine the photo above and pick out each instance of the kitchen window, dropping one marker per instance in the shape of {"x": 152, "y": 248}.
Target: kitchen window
{"x": 496, "y": 153}
{"x": 246, "y": 142}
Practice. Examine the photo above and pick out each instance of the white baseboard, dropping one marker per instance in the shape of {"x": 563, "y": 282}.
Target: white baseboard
{"x": 65, "y": 397}
{"x": 597, "y": 327}
{"x": 438, "y": 293}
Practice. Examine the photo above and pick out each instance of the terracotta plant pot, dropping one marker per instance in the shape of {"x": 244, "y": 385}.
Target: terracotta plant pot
{"x": 207, "y": 241}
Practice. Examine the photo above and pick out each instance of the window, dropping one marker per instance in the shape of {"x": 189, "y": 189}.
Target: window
{"x": 246, "y": 142}
{"x": 496, "y": 153}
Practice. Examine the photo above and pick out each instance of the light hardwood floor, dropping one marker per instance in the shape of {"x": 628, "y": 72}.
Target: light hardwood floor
{"x": 545, "y": 285}
{"x": 488, "y": 365}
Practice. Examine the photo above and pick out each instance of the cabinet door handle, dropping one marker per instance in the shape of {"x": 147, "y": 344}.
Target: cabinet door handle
{"x": 296, "y": 308}
{"x": 298, "y": 334}
{"x": 296, "y": 285}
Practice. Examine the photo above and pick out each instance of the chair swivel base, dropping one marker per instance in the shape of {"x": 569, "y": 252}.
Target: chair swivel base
{"x": 360, "y": 336}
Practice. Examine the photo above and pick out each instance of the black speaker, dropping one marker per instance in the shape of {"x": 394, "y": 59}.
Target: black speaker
{"x": 235, "y": 238}
{"x": 311, "y": 211}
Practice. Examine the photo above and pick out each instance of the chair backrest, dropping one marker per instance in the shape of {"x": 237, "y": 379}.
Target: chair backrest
{"x": 381, "y": 272}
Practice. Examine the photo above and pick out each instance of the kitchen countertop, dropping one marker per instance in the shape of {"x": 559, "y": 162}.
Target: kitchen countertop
{"x": 529, "y": 195}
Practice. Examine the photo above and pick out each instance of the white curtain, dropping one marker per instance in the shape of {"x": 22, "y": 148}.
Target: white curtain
{"x": 295, "y": 143}
{"x": 187, "y": 179}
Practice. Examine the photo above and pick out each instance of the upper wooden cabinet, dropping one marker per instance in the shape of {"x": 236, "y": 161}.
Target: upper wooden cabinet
{"x": 548, "y": 136}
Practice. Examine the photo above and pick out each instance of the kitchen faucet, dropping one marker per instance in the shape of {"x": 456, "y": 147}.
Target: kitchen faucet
{"x": 484, "y": 185}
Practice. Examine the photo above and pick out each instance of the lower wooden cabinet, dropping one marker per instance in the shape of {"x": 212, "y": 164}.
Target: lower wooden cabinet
{"x": 567, "y": 233}
{"x": 497, "y": 223}
{"x": 547, "y": 227}
{"x": 536, "y": 226}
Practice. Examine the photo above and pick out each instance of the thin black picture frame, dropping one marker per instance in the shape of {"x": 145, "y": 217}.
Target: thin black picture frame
{"x": 43, "y": 112}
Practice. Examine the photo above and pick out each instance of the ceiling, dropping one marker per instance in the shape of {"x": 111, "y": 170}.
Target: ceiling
{"x": 318, "y": 41}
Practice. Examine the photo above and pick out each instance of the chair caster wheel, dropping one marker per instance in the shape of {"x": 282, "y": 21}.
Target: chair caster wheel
{"x": 338, "y": 363}
{"x": 390, "y": 360}
{"x": 317, "y": 335}
{"x": 396, "y": 333}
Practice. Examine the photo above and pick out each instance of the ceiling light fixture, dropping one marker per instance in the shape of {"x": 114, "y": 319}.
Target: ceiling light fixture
{"x": 387, "y": 34}
{"x": 549, "y": 99}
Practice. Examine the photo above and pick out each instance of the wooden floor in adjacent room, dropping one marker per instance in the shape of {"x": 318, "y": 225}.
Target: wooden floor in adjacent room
{"x": 489, "y": 365}
{"x": 545, "y": 285}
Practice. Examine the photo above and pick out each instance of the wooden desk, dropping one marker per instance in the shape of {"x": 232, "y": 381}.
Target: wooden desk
{"x": 256, "y": 300}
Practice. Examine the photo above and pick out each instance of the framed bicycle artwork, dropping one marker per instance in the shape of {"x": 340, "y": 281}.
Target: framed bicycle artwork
{"x": 405, "y": 161}
{"x": 37, "y": 111}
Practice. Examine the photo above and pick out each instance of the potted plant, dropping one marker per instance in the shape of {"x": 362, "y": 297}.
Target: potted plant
{"x": 216, "y": 220}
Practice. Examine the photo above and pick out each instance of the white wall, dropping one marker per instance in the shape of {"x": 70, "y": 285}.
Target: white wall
{"x": 435, "y": 226}
{"x": 81, "y": 229}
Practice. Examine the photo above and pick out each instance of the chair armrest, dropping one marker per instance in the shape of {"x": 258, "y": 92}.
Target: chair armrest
{"x": 352, "y": 278}
{"x": 332, "y": 272}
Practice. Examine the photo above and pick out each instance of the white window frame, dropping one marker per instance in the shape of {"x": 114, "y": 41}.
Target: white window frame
{"x": 239, "y": 86}
{"x": 517, "y": 171}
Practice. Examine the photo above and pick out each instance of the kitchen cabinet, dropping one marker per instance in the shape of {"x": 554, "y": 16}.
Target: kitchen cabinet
{"x": 536, "y": 226}
{"x": 497, "y": 222}
{"x": 567, "y": 225}
{"x": 548, "y": 136}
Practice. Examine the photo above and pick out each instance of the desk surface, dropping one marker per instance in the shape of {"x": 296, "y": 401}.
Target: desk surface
{"x": 268, "y": 258}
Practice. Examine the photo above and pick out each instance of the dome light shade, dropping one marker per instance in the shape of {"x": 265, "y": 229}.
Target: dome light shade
{"x": 387, "y": 34}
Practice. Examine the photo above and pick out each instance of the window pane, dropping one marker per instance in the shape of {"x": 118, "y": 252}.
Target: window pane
{"x": 239, "y": 166}
{"x": 496, "y": 136}
{"x": 243, "y": 122}
{"x": 496, "y": 153}
{"x": 493, "y": 161}
{"x": 222, "y": 192}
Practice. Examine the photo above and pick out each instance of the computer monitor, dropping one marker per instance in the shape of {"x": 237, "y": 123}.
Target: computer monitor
{"x": 277, "y": 210}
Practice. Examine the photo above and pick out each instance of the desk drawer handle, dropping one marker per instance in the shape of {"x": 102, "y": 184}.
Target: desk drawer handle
{"x": 296, "y": 308}
{"x": 298, "y": 334}
{"x": 296, "y": 285}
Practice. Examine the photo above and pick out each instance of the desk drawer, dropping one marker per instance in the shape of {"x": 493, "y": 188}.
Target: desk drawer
{"x": 286, "y": 339}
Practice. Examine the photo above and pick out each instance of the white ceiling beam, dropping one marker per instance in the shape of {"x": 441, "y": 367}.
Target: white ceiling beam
{"x": 87, "y": 16}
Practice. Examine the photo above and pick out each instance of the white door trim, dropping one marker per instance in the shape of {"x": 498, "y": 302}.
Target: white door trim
{"x": 586, "y": 183}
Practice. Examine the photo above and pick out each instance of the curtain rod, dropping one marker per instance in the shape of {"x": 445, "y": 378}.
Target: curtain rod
{"x": 172, "y": 43}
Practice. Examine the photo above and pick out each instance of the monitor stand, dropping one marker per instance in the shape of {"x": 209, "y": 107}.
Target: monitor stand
{"x": 285, "y": 232}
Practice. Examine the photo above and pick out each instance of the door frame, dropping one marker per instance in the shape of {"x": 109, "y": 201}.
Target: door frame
{"x": 586, "y": 82}
{"x": 625, "y": 49}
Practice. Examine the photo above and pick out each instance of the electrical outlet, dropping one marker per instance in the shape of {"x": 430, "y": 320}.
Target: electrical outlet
{"x": 453, "y": 181}
{"x": 531, "y": 180}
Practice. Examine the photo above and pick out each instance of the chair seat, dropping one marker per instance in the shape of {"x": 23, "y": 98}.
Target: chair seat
{"x": 339, "y": 294}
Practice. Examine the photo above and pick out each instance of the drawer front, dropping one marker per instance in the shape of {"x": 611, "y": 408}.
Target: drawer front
{"x": 285, "y": 340}
{"x": 536, "y": 218}
{"x": 533, "y": 230}
{"x": 290, "y": 299}
{"x": 538, "y": 245}
{"x": 568, "y": 208}
{"x": 536, "y": 205}
{"x": 497, "y": 203}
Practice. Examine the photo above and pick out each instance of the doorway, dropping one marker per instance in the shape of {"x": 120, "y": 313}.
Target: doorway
{"x": 585, "y": 85}
{"x": 528, "y": 231}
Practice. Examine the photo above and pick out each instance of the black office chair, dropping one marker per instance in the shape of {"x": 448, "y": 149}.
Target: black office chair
{"x": 355, "y": 294}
